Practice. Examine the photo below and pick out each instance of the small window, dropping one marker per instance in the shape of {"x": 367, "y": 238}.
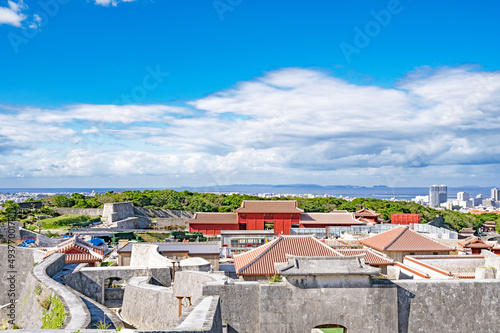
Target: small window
{"x": 412, "y": 253}
{"x": 435, "y": 253}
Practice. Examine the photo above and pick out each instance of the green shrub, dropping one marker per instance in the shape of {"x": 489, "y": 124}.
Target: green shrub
{"x": 275, "y": 278}
{"x": 54, "y": 318}
{"x": 102, "y": 325}
{"x": 38, "y": 290}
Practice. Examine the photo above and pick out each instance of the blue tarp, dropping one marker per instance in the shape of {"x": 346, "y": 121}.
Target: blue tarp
{"x": 26, "y": 242}
{"x": 97, "y": 241}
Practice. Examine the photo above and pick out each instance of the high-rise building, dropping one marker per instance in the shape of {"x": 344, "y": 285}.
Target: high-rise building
{"x": 437, "y": 195}
{"x": 443, "y": 193}
{"x": 434, "y": 195}
{"x": 495, "y": 194}
{"x": 463, "y": 196}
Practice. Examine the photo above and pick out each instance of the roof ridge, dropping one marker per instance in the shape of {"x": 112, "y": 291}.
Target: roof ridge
{"x": 396, "y": 238}
{"x": 273, "y": 242}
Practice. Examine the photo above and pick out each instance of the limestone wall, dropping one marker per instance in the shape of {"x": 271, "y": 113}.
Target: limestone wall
{"x": 149, "y": 307}
{"x": 23, "y": 264}
{"x": 165, "y": 217}
{"x": 280, "y": 307}
{"x": 464, "y": 265}
{"x": 117, "y": 211}
{"x": 39, "y": 287}
{"x": 448, "y": 306}
{"x": 90, "y": 281}
{"x": 9, "y": 231}
{"x": 191, "y": 283}
{"x": 80, "y": 211}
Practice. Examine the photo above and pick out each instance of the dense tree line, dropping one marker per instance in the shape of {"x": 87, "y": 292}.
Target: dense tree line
{"x": 209, "y": 202}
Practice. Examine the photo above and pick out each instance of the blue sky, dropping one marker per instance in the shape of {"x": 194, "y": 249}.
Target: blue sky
{"x": 141, "y": 93}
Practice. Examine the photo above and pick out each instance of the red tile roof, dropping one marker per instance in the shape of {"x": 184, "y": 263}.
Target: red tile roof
{"x": 371, "y": 257}
{"x": 365, "y": 212}
{"x": 402, "y": 239}
{"x": 214, "y": 218}
{"x": 86, "y": 252}
{"x": 329, "y": 218}
{"x": 474, "y": 242}
{"x": 269, "y": 206}
{"x": 260, "y": 261}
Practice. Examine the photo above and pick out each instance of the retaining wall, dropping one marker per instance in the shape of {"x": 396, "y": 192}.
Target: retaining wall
{"x": 389, "y": 306}
{"x": 79, "y": 211}
{"x": 90, "y": 281}
{"x": 42, "y": 240}
{"x": 23, "y": 264}
{"x": 165, "y": 217}
{"x": 39, "y": 287}
{"x": 147, "y": 306}
{"x": 8, "y": 229}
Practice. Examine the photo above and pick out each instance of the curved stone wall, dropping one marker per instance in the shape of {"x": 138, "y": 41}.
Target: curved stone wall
{"x": 39, "y": 287}
{"x": 147, "y": 306}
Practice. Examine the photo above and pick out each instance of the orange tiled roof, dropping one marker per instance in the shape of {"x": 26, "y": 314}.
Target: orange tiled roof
{"x": 269, "y": 206}
{"x": 366, "y": 212}
{"x": 475, "y": 211}
{"x": 86, "y": 252}
{"x": 260, "y": 261}
{"x": 474, "y": 242}
{"x": 402, "y": 239}
{"x": 371, "y": 257}
{"x": 214, "y": 218}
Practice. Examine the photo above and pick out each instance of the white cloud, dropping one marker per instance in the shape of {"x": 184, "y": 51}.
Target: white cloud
{"x": 12, "y": 15}
{"x": 114, "y": 3}
{"x": 293, "y": 124}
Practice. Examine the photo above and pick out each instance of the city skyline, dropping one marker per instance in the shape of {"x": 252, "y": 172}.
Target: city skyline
{"x": 158, "y": 94}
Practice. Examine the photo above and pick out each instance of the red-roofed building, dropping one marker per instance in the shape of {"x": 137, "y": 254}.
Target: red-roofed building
{"x": 474, "y": 244}
{"x": 213, "y": 223}
{"x": 78, "y": 251}
{"x": 277, "y": 215}
{"x": 405, "y": 219}
{"x": 259, "y": 263}
{"x": 368, "y": 215}
{"x": 401, "y": 241}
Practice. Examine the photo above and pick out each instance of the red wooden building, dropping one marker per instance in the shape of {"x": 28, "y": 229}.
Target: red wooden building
{"x": 405, "y": 219}
{"x": 78, "y": 251}
{"x": 367, "y": 215}
{"x": 275, "y": 215}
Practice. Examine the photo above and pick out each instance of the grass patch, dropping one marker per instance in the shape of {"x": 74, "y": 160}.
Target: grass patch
{"x": 153, "y": 237}
{"x": 55, "y": 316}
{"x": 64, "y": 221}
{"x": 38, "y": 290}
{"x": 107, "y": 263}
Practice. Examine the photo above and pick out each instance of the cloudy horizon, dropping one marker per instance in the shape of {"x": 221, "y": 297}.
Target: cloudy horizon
{"x": 288, "y": 126}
